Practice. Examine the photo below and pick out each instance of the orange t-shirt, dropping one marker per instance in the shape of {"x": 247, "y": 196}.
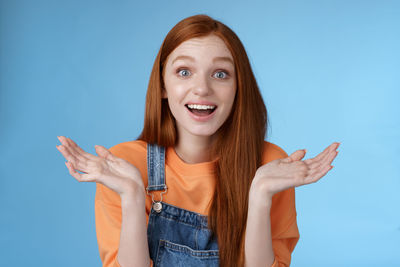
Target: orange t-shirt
{"x": 191, "y": 187}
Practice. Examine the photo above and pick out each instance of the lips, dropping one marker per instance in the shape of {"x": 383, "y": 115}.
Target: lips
{"x": 199, "y": 110}
{"x": 200, "y": 103}
{"x": 199, "y": 116}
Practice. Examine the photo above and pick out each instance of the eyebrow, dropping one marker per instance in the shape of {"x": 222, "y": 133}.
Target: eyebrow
{"x": 228, "y": 59}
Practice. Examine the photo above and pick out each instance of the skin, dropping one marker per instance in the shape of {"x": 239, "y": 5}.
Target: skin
{"x": 196, "y": 79}
{"x": 123, "y": 178}
{"x": 270, "y": 179}
{"x": 199, "y": 78}
{"x": 281, "y": 174}
{"x": 116, "y": 173}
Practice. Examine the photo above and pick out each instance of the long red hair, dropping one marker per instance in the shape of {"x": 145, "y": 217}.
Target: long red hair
{"x": 239, "y": 141}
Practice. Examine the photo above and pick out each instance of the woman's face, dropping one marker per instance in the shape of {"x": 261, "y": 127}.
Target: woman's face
{"x": 200, "y": 71}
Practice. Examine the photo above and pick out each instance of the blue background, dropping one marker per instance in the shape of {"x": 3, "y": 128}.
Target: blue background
{"x": 328, "y": 70}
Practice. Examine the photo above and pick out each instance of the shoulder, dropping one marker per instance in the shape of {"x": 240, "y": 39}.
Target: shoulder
{"x": 272, "y": 152}
{"x": 135, "y": 152}
{"x": 129, "y": 145}
{"x": 129, "y": 148}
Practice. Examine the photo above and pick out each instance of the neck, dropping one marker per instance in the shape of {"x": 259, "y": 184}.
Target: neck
{"x": 194, "y": 149}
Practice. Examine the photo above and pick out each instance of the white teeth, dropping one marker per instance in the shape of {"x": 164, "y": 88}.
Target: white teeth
{"x": 192, "y": 106}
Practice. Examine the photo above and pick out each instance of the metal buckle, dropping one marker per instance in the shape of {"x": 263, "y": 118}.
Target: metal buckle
{"x": 157, "y": 206}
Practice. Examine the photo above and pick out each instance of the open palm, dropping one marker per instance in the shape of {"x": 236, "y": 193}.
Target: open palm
{"x": 106, "y": 168}
{"x": 292, "y": 171}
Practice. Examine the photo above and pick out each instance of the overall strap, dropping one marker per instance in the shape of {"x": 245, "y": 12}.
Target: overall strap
{"x": 156, "y": 172}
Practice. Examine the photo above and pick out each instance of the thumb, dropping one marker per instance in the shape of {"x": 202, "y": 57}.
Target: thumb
{"x": 295, "y": 156}
{"x": 103, "y": 152}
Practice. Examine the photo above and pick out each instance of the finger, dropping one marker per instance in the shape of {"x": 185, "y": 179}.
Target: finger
{"x": 71, "y": 148}
{"x": 79, "y": 149}
{"x": 65, "y": 152}
{"x": 295, "y": 156}
{"x": 80, "y": 177}
{"x": 80, "y": 160}
{"x": 80, "y": 164}
{"x": 328, "y": 160}
{"x": 324, "y": 164}
{"x": 321, "y": 155}
{"x": 78, "y": 157}
{"x": 321, "y": 164}
{"x": 298, "y": 155}
{"x": 72, "y": 171}
{"x": 317, "y": 176}
{"x": 104, "y": 153}
{"x": 318, "y": 162}
{"x": 75, "y": 149}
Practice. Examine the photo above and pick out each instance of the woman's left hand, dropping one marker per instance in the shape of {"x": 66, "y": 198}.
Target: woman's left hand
{"x": 282, "y": 174}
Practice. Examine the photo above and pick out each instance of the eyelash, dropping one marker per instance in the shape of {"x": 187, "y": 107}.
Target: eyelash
{"x": 224, "y": 71}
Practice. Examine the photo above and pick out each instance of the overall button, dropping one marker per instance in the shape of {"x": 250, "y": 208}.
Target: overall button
{"x": 157, "y": 206}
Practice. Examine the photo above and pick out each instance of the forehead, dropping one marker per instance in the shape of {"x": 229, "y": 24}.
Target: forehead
{"x": 207, "y": 46}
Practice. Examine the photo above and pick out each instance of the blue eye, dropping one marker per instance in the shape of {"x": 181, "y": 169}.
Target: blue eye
{"x": 223, "y": 76}
{"x": 182, "y": 71}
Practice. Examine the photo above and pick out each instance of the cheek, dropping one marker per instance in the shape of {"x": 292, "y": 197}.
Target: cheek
{"x": 229, "y": 100}
{"x": 174, "y": 89}
{"x": 228, "y": 95}
{"x": 175, "y": 95}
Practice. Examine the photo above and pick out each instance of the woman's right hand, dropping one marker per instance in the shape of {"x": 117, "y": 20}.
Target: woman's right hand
{"x": 116, "y": 173}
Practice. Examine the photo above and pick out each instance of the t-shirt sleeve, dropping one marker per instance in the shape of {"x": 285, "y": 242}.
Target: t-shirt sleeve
{"x": 284, "y": 230}
{"x": 285, "y": 233}
{"x": 108, "y": 219}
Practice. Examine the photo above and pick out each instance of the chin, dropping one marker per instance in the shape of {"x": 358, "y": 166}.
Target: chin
{"x": 201, "y": 131}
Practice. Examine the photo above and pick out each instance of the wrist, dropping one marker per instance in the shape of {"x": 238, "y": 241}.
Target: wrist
{"x": 259, "y": 196}
{"x": 134, "y": 196}
{"x": 260, "y": 201}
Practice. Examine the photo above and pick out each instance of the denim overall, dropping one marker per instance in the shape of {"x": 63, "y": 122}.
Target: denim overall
{"x": 176, "y": 237}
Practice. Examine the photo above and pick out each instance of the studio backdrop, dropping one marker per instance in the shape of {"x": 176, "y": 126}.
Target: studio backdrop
{"x": 328, "y": 71}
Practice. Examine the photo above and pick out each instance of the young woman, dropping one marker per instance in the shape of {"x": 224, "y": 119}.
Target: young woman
{"x": 200, "y": 186}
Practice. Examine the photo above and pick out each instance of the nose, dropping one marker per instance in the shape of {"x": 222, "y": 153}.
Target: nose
{"x": 201, "y": 86}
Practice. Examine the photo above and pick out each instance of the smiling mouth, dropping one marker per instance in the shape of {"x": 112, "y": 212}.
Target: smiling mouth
{"x": 201, "y": 112}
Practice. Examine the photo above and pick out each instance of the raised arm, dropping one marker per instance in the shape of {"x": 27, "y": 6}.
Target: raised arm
{"x": 271, "y": 178}
{"x": 124, "y": 180}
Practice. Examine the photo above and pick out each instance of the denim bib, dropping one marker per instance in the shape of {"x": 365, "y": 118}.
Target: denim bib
{"x": 176, "y": 237}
